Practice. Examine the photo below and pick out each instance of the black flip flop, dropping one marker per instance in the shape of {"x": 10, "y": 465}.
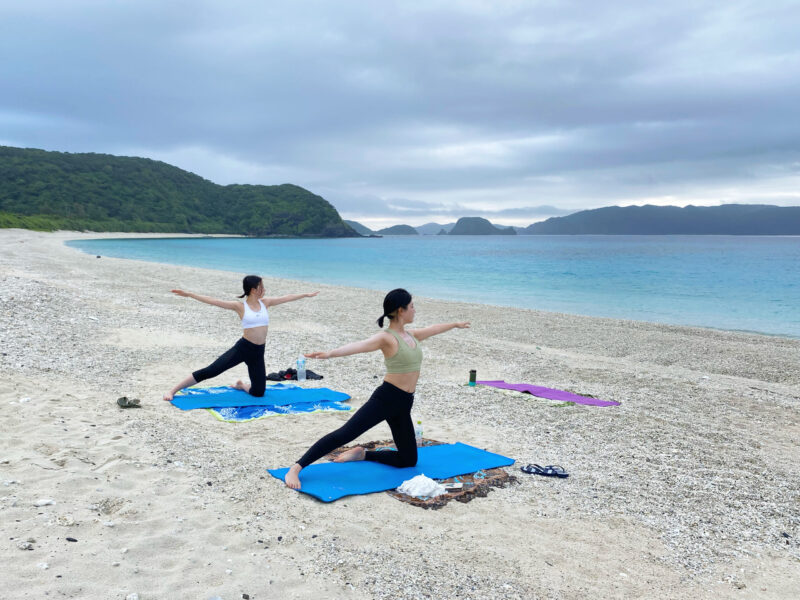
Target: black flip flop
{"x": 555, "y": 471}
{"x": 548, "y": 471}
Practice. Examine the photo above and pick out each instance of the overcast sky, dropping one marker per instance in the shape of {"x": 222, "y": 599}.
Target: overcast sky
{"x": 410, "y": 112}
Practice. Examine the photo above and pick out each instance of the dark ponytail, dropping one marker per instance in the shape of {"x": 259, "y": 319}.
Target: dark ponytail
{"x": 395, "y": 299}
{"x": 249, "y": 283}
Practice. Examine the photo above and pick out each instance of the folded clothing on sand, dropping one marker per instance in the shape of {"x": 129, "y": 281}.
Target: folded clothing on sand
{"x": 274, "y": 395}
{"x": 549, "y": 393}
{"x": 331, "y": 481}
{"x": 291, "y": 375}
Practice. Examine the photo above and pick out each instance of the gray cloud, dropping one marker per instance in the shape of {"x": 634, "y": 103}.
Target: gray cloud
{"x": 422, "y": 109}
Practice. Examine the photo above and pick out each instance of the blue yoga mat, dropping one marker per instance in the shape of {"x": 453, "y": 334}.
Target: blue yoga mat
{"x": 275, "y": 395}
{"x": 331, "y": 481}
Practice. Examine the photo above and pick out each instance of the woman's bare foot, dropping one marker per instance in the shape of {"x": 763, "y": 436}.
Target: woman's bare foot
{"x": 241, "y": 385}
{"x": 190, "y": 380}
{"x": 292, "y": 477}
{"x": 353, "y": 454}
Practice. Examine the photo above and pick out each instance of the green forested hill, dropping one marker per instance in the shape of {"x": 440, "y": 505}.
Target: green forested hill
{"x": 99, "y": 192}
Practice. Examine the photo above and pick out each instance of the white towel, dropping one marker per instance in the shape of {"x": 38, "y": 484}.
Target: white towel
{"x": 421, "y": 487}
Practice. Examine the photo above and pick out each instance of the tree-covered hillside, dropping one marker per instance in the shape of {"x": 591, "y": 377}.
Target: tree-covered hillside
{"x": 99, "y": 192}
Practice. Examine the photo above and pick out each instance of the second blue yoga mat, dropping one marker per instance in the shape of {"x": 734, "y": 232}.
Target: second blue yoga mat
{"x": 331, "y": 481}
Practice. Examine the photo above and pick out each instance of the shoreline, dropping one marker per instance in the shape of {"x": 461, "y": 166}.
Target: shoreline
{"x": 684, "y": 491}
{"x": 67, "y": 237}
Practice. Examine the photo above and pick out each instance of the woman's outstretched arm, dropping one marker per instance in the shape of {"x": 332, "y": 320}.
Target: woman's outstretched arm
{"x": 376, "y": 342}
{"x": 289, "y": 298}
{"x": 427, "y": 332}
{"x": 230, "y": 305}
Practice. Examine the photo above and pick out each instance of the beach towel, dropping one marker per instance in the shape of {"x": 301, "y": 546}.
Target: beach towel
{"x": 274, "y": 395}
{"x": 549, "y": 393}
{"x": 331, "y": 481}
{"x": 241, "y": 414}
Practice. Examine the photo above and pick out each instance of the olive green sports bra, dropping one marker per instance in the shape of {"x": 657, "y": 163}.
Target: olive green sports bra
{"x": 406, "y": 359}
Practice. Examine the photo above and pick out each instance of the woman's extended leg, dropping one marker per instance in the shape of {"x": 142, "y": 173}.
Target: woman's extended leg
{"x": 365, "y": 418}
{"x": 231, "y": 358}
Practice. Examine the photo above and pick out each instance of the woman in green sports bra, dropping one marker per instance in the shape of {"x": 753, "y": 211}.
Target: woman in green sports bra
{"x": 392, "y": 400}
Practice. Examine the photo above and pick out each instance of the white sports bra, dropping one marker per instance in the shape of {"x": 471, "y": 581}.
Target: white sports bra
{"x": 252, "y": 318}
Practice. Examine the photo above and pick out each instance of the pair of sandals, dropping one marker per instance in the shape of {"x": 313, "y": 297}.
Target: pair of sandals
{"x": 125, "y": 402}
{"x": 548, "y": 471}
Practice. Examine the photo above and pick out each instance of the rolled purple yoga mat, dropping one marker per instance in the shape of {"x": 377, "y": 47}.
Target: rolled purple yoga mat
{"x": 549, "y": 393}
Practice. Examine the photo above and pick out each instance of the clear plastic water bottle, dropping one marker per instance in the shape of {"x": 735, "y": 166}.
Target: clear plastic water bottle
{"x": 301, "y": 368}
{"x": 418, "y": 430}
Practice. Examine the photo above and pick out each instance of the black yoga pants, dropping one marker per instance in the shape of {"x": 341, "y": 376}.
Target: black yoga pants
{"x": 387, "y": 403}
{"x": 242, "y": 352}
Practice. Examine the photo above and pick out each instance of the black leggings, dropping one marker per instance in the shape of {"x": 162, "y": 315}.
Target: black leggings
{"x": 243, "y": 351}
{"x": 387, "y": 403}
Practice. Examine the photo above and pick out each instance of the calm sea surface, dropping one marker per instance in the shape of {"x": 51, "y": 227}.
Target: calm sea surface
{"x": 744, "y": 283}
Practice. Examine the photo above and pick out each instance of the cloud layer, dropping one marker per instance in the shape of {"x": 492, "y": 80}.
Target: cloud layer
{"x": 418, "y": 111}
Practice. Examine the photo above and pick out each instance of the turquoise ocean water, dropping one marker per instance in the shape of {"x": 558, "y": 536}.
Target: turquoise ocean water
{"x": 739, "y": 283}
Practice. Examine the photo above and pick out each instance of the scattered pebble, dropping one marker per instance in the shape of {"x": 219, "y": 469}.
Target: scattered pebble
{"x": 44, "y": 502}
{"x": 43, "y": 566}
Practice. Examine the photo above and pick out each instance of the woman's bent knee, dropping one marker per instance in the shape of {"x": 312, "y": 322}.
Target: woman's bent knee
{"x": 408, "y": 461}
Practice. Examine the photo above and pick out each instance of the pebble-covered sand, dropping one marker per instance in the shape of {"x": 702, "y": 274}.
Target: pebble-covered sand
{"x": 689, "y": 489}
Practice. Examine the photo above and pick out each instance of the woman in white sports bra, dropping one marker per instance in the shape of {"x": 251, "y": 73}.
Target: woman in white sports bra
{"x": 250, "y": 348}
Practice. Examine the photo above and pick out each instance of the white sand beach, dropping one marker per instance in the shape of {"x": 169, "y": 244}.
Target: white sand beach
{"x": 689, "y": 489}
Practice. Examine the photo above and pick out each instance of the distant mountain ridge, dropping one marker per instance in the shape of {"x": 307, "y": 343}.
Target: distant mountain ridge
{"x": 727, "y": 219}
{"x": 100, "y": 192}
{"x": 359, "y": 228}
{"x": 434, "y": 228}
